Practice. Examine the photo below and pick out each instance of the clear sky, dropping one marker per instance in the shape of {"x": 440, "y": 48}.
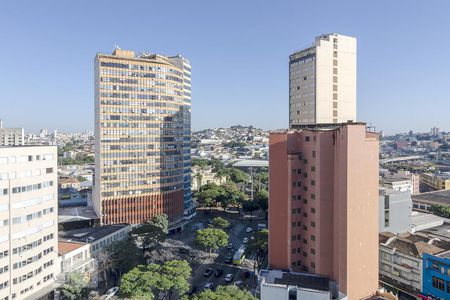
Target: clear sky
{"x": 239, "y": 53}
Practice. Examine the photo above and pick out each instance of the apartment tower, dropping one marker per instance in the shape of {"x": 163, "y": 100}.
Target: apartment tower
{"x": 142, "y": 130}
{"x": 11, "y": 136}
{"x": 323, "y": 204}
{"x": 322, "y": 81}
{"x": 28, "y": 221}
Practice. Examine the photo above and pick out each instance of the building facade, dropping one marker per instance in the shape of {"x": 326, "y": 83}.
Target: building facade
{"x": 434, "y": 182}
{"x": 11, "y": 136}
{"x": 28, "y": 221}
{"x": 205, "y": 175}
{"x": 436, "y": 276}
{"x": 395, "y": 211}
{"x": 142, "y": 129}
{"x": 323, "y": 188}
{"x": 322, "y": 81}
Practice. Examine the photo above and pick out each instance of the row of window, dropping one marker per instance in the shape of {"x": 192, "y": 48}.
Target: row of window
{"x": 32, "y": 245}
{"x": 141, "y": 82}
{"x": 32, "y": 201}
{"x": 32, "y": 187}
{"x": 140, "y": 67}
{"x": 30, "y": 217}
{"x": 24, "y": 158}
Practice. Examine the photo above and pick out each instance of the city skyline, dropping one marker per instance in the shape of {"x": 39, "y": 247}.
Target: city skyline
{"x": 233, "y": 74}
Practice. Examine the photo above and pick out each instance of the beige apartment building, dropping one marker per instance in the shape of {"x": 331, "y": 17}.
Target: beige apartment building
{"x": 322, "y": 81}
{"x": 28, "y": 221}
{"x": 142, "y": 129}
{"x": 11, "y": 136}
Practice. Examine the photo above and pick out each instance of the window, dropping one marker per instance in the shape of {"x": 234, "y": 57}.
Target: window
{"x": 438, "y": 283}
{"x": 313, "y": 237}
{"x": 313, "y": 224}
{"x": 335, "y": 62}
{"x": 313, "y": 168}
{"x": 335, "y": 96}
{"x": 335, "y": 105}
{"x": 335, "y": 88}
{"x": 313, "y": 182}
{"x": 307, "y": 138}
{"x": 305, "y": 77}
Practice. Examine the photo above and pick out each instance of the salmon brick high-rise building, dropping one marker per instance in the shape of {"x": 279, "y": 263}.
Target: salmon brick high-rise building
{"x": 323, "y": 204}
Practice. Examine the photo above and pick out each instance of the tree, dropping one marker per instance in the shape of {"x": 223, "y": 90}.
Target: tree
{"x": 262, "y": 201}
{"x": 76, "y": 286}
{"x": 207, "y": 194}
{"x": 440, "y": 210}
{"x": 230, "y": 196}
{"x": 229, "y": 292}
{"x": 260, "y": 246}
{"x": 249, "y": 206}
{"x": 220, "y": 223}
{"x": 143, "y": 282}
{"x": 211, "y": 238}
{"x": 149, "y": 234}
{"x": 104, "y": 265}
{"x": 125, "y": 255}
{"x": 236, "y": 175}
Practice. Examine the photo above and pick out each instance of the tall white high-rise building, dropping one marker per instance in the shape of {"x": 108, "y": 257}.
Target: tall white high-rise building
{"x": 322, "y": 81}
{"x": 28, "y": 221}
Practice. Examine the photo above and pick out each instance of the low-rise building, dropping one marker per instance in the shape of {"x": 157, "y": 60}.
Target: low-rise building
{"x": 205, "y": 175}
{"x": 76, "y": 257}
{"x": 423, "y": 202}
{"x": 68, "y": 182}
{"x": 401, "y": 259}
{"x": 281, "y": 285}
{"x": 436, "y": 276}
{"x": 435, "y": 182}
{"x": 395, "y": 211}
{"x": 98, "y": 238}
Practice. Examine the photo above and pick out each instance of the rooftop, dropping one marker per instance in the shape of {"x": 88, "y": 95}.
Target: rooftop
{"x": 79, "y": 213}
{"x": 441, "y": 197}
{"x": 90, "y": 234}
{"x": 302, "y": 280}
{"x": 414, "y": 244}
{"x": 66, "y": 247}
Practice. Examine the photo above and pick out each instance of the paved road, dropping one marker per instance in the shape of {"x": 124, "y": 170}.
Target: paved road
{"x": 236, "y": 237}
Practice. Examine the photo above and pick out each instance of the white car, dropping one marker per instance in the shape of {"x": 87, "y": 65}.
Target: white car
{"x": 248, "y": 229}
{"x": 229, "y": 277}
{"x": 111, "y": 292}
{"x": 245, "y": 240}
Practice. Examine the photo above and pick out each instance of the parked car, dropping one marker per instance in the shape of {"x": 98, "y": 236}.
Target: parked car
{"x": 229, "y": 277}
{"x": 208, "y": 272}
{"x": 230, "y": 246}
{"x": 228, "y": 259}
{"x": 111, "y": 292}
{"x": 245, "y": 274}
{"x": 208, "y": 286}
{"x": 248, "y": 229}
{"x": 218, "y": 272}
{"x": 245, "y": 240}
{"x": 239, "y": 284}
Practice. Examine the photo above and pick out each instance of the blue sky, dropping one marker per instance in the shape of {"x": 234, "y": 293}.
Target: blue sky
{"x": 239, "y": 53}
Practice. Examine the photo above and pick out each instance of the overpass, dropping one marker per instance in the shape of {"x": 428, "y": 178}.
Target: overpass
{"x": 403, "y": 158}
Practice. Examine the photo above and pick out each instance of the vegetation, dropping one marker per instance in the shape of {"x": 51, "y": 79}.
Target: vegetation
{"x": 151, "y": 233}
{"x": 80, "y": 159}
{"x": 260, "y": 246}
{"x": 125, "y": 255}
{"x": 77, "y": 287}
{"x": 440, "y": 210}
{"x": 225, "y": 195}
{"x": 220, "y": 223}
{"x": 234, "y": 144}
{"x": 228, "y": 292}
{"x": 216, "y": 164}
{"x": 144, "y": 282}
{"x": 211, "y": 238}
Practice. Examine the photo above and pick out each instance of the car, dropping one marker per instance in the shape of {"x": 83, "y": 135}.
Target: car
{"x": 245, "y": 274}
{"x": 208, "y": 272}
{"x": 192, "y": 291}
{"x": 111, "y": 292}
{"x": 218, "y": 272}
{"x": 208, "y": 286}
{"x": 239, "y": 284}
{"x": 228, "y": 259}
{"x": 248, "y": 229}
{"x": 229, "y": 277}
{"x": 230, "y": 246}
{"x": 252, "y": 237}
{"x": 245, "y": 240}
